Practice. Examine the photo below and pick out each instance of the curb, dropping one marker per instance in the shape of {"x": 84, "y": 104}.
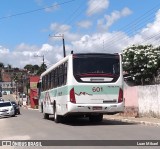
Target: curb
{"x": 118, "y": 119}
{"x": 32, "y": 109}
{"x": 29, "y": 108}
{"x": 134, "y": 121}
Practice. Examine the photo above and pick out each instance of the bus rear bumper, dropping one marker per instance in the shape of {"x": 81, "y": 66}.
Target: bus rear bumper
{"x": 98, "y": 108}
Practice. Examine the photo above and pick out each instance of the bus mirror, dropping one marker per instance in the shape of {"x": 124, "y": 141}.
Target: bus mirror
{"x": 38, "y": 85}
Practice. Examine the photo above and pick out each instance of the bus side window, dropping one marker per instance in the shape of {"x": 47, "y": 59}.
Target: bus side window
{"x": 42, "y": 84}
{"x": 39, "y": 85}
{"x": 61, "y": 75}
{"x": 65, "y": 73}
{"x": 52, "y": 78}
{"x": 116, "y": 68}
{"x": 49, "y": 80}
{"x": 56, "y": 77}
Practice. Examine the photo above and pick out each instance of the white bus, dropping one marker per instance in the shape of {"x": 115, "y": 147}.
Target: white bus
{"x": 89, "y": 85}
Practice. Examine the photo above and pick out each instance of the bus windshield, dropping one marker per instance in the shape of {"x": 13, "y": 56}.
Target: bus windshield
{"x": 96, "y": 66}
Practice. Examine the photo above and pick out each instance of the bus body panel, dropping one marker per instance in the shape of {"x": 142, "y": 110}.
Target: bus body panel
{"x": 98, "y": 108}
{"x": 90, "y": 97}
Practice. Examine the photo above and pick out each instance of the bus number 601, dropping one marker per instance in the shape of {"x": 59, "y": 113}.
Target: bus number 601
{"x": 97, "y": 89}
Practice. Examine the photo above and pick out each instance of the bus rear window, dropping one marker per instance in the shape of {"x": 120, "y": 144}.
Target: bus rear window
{"x": 96, "y": 68}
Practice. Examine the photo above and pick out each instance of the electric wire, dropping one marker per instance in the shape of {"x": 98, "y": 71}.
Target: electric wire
{"x": 35, "y": 10}
{"x": 70, "y": 18}
{"x": 139, "y": 21}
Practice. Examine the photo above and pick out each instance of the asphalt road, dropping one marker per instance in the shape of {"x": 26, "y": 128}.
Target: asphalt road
{"x": 30, "y": 125}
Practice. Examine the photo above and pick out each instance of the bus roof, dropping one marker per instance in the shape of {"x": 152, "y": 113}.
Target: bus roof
{"x": 78, "y": 54}
{"x": 55, "y": 65}
{"x": 96, "y": 54}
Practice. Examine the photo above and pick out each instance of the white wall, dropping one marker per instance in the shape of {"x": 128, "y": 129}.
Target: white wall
{"x": 149, "y": 100}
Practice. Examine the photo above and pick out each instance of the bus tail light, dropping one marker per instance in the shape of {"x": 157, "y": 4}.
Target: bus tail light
{"x": 120, "y": 97}
{"x": 72, "y": 96}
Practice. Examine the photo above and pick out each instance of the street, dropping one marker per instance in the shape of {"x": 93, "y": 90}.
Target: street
{"x": 30, "y": 125}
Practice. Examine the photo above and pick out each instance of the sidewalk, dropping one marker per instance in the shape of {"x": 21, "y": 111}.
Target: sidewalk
{"x": 140, "y": 120}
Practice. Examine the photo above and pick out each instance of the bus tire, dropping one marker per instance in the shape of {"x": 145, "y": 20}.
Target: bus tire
{"x": 57, "y": 118}
{"x": 46, "y": 116}
{"x": 96, "y": 118}
{"x": 41, "y": 108}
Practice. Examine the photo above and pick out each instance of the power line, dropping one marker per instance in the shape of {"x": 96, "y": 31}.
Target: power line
{"x": 151, "y": 37}
{"x": 138, "y": 21}
{"x": 35, "y": 10}
{"x": 73, "y": 16}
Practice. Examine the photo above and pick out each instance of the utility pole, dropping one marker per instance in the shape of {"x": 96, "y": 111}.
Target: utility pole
{"x": 62, "y": 36}
{"x": 43, "y": 60}
{"x": 40, "y": 56}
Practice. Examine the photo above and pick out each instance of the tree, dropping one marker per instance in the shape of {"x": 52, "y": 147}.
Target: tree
{"x": 141, "y": 62}
{"x": 28, "y": 67}
{"x": 42, "y": 68}
{"x": 1, "y": 65}
{"x": 35, "y": 69}
{"x": 9, "y": 66}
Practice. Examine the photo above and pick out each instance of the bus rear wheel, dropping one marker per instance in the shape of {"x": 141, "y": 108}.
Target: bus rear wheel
{"x": 57, "y": 118}
{"x": 96, "y": 118}
{"x": 46, "y": 116}
{"x": 41, "y": 108}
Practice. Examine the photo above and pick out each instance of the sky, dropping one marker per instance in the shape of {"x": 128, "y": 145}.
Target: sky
{"x": 28, "y": 28}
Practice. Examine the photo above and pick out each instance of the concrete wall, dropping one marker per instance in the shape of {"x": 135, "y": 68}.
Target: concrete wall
{"x": 131, "y": 96}
{"x": 142, "y": 100}
{"x": 131, "y": 101}
{"x": 149, "y": 100}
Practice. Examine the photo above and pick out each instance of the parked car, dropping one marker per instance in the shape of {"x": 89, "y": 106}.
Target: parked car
{"x": 1, "y": 100}
{"x": 16, "y": 107}
{"x": 4, "y": 93}
{"x": 6, "y": 109}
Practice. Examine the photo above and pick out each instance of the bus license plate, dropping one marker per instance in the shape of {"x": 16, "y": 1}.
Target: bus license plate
{"x": 97, "y": 108}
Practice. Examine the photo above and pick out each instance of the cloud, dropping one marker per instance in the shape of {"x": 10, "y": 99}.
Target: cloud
{"x": 25, "y": 47}
{"x": 100, "y": 42}
{"x": 3, "y": 50}
{"x": 46, "y": 48}
{"x": 96, "y": 6}
{"x": 117, "y": 41}
{"x": 39, "y": 2}
{"x": 108, "y": 20}
{"x": 52, "y": 8}
{"x": 84, "y": 24}
{"x": 55, "y": 27}
{"x": 59, "y": 29}
{"x": 106, "y": 42}
{"x": 151, "y": 32}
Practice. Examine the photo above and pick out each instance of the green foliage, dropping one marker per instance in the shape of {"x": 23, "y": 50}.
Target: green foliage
{"x": 141, "y": 62}
{"x": 1, "y": 65}
{"x": 35, "y": 69}
{"x": 41, "y": 69}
